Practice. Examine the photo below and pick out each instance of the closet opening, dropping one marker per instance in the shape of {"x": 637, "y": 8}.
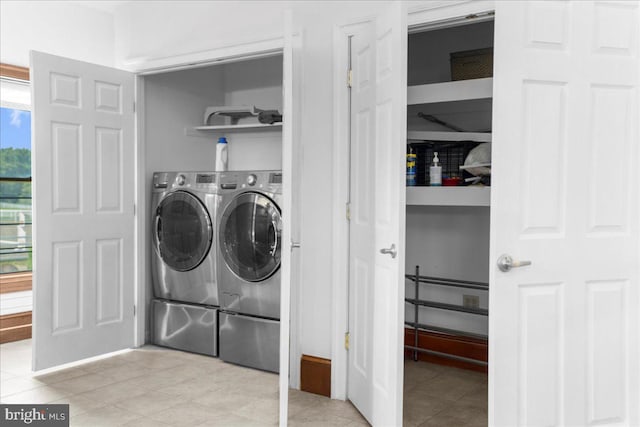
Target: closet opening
{"x": 449, "y": 122}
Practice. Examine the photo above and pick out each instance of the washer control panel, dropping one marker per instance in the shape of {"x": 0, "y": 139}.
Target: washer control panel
{"x": 200, "y": 181}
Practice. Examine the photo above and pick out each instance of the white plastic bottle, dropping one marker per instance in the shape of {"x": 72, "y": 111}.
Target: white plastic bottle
{"x": 435, "y": 171}
{"x": 221, "y": 154}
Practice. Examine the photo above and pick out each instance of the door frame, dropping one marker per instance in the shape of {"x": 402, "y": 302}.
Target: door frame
{"x": 442, "y": 13}
{"x": 341, "y": 164}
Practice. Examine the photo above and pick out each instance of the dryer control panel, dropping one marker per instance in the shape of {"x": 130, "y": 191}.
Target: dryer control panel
{"x": 270, "y": 181}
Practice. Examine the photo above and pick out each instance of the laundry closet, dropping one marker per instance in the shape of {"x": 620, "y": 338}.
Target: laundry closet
{"x": 175, "y": 134}
{"x": 185, "y": 113}
{"x": 449, "y": 112}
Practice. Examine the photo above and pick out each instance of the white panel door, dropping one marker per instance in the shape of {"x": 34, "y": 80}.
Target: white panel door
{"x": 83, "y": 197}
{"x": 564, "y": 330}
{"x": 376, "y": 300}
{"x": 361, "y": 225}
{"x": 290, "y": 185}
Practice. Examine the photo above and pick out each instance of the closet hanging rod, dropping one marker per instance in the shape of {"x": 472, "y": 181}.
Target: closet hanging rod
{"x": 447, "y": 355}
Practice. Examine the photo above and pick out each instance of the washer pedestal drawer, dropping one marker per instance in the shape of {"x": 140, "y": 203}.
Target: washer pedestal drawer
{"x": 250, "y": 341}
{"x": 185, "y": 327}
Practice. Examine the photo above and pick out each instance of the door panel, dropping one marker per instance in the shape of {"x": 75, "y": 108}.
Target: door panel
{"x": 66, "y": 282}
{"x": 564, "y": 330}
{"x": 109, "y": 281}
{"x": 83, "y": 167}
{"x": 376, "y": 301}
{"x": 109, "y": 163}
{"x": 361, "y": 227}
{"x": 66, "y": 160}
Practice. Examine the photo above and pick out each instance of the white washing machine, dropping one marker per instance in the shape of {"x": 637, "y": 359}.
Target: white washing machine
{"x": 183, "y": 261}
{"x": 249, "y": 248}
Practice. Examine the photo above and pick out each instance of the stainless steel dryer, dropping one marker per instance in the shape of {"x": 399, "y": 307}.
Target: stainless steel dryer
{"x": 249, "y": 246}
{"x": 183, "y": 261}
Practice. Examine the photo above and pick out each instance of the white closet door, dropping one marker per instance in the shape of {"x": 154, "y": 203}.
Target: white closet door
{"x": 564, "y": 330}
{"x": 291, "y": 174}
{"x": 376, "y": 300}
{"x": 83, "y": 197}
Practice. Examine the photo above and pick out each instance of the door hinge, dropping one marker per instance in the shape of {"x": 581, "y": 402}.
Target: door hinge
{"x": 134, "y": 310}
{"x": 134, "y": 106}
{"x": 134, "y": 209}
{"x": 348, "y": 212}
{"x": 349, "y": 77}
{"x": 346, "y": 340}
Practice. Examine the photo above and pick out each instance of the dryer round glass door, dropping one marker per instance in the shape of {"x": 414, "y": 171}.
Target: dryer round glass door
{"x": 249, "y": 235}
{"x": 183, "y": 231}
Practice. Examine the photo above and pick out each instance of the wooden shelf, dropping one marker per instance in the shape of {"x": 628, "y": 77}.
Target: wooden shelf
{"x": 460, "y": 90}
{"x": 448, "y": 136}
{"x": 199, "y": 130}
{"x": 449, "y": 196}
{"x": 15, "y": 282}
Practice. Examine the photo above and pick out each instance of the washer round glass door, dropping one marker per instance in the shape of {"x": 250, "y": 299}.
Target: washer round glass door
{"x": 249, "y": 236}
{"x": 183, "y": 231}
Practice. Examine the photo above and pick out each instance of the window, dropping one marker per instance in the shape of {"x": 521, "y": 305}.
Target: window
{"x": 15, "y": 175}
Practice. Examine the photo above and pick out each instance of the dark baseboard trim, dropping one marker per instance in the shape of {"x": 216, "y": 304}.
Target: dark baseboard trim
{"x": 15, "y": 282}
{"x": 315, "y": 375}
{"x": 471, "y": 348}
{"x": 14, "y": 71}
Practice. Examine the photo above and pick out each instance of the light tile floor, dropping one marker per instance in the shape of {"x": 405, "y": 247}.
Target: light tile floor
{"x": 153, "y": 386}
{"x": 441, "y": 396}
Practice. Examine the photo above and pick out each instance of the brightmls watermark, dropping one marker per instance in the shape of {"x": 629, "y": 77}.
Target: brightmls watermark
{"x": 34, "y": 415}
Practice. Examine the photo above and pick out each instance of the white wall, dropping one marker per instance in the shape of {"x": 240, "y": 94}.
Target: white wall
{"x": 152, "y": 30}
{"x": 60, "y": 28}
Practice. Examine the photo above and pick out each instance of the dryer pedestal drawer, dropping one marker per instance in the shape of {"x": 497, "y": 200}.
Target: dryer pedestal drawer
{"x": 185, "y": 327}
{"x": 250, "y": 341}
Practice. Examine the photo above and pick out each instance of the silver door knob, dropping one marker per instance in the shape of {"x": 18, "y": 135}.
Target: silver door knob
{"x": 506, "y": 263}
{"x": 390, "y": 251}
